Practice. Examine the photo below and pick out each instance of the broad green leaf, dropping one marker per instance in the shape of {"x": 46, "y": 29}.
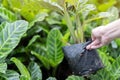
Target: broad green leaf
{"x": 104, "y": 14}
{"x": 33, "y": 40}
{"x": 90, "y": 7}
{"x": 3, "y": 76}
{"x": 54, "y": 47}
{"x": 3, "y": 67}
{"x": 43, "y": 59}
{"x": 16, "y": 5}
{"x": 2, "y": 25}
{"x": 38, "y": 17}
{"x": 51, "y": 78}
{"x": 118, "y": 41}
{"x": 35, "y": 71}
{"x": 103, "y": 75}
{"x": 73, "y": 2}
{"x": 114, "y": 44}
{"x": 107, "y": 5}
{"x": 30, "y": 10}
{"x": 22, "y": 77}
{"x": 12, "y": 75}
{"x": 105, "y": 60}
{"x": 115, "y": 70}
{"x": 115, "y": 12}
{"x": 86, "y": 9}
{"x": 7, "y": 15}
{"x": 61, "y": 2}
{"x": 83, "y": 1}
{"x": 48, "y": 4}
{"x": 23, "y": 70}
{"x": 74, "y": 78}
{"x": 65, "y": 38}
{"x": 9, "y": 75}
{"x": 10, "y": 36}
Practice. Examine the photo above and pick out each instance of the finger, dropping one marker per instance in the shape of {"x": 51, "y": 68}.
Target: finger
{"x": 93, "y": 37}
{"x": 96, "y": 42}
{"x": 96, "y": 46}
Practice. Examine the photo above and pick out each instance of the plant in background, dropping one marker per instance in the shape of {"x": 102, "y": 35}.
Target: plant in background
{"x": 45, "y": 43}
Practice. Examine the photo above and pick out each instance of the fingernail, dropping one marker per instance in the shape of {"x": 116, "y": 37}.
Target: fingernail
{"x": 88, "y": 47}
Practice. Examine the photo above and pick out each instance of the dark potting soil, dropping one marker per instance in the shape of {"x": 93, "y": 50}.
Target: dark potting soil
{"x": 81, "y": 61}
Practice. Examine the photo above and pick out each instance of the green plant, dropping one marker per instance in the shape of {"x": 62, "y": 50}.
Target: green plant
{"x": 52, "y": 55}
{"x": 73, "y": 19}
{"x": 111, "y": 70}
{"x": 34, "y": 72}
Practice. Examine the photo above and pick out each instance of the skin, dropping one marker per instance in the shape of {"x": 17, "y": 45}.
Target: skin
{"x": 103, "y": 35}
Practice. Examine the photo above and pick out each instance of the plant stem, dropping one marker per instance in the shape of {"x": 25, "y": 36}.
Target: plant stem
{"x": 69, "y": 25}
{"x": 80, "y": 31}
{"x": 54, "y": 71}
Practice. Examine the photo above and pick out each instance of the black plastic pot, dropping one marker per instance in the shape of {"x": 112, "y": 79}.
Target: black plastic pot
{"x": 82, "y": 61}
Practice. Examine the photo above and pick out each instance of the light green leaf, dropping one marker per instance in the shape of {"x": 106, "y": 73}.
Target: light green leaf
{"x": 107, "y": 5}
{"x": 104, "y": 14}
{"x": 54, "y": 47}
{"x": 35, "y": 71}
{"x": 33, "y": 40}
{"x": 9, "y": 75}
{"x": 51, "y": 78}
{"x": 61, "y": 2}
{"x": 115, "y": 70}
{"x": 90, "y": 7}
{"x": 10, "y": 36}
{"x": 105, "y": 60}
{"x": 83, "y": 1}
{"x": 75, "y": 78}
{"x": 7, "y": 15}
{"x": 115, "y": 12}
{"x": 103, "y": 75}
{"x": 43, "y": 59}
{"x": 48, "y": 4}
{"x": 22, "y": 77}
{"x": 23, "y": 70}
{"x": 30, "y": 10}
{"x": 38, "y": 17}
{"x": 12, "y": 75}
{"x": 114, "y": 44}
{"x": 16, "y": 5}
{"x": 73, "y": 2}
{"x": 3, "y": 67}
{"x": 86, "y": 9}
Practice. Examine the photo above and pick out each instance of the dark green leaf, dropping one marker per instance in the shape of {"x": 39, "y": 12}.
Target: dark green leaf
{"x": 103, "y": 75}
{"x": 105, "y": 60}
{"x": 75, "y": 78}
{"x": 23, "y": 70}
{"x": 6, "y": 14}
{"x": 51, "y": 78}
{"x": 43, "y": 59}
{"x": 35, "y": 71}
{"x": 38, "y": 17}
{"x": 33, "y": 40}
{"x": 115, "y": 70}
{"x": 3, "y": 67}
{"x": 12, "y": 75}
{"x": 54, "y": 47}
{"x": 11, "y": 35}
{"x": 22, "y": 77}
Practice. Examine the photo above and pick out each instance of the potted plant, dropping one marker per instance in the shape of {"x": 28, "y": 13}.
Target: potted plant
{"x": 81, "y": 61}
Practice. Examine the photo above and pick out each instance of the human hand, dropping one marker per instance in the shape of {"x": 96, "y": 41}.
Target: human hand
{"x": 104, "y": 34}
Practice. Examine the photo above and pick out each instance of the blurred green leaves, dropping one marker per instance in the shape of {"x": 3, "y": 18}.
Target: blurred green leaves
{"x": 53, "y": 55}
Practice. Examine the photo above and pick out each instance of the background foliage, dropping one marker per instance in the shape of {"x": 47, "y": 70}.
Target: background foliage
{"x": 33, "y": 32}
